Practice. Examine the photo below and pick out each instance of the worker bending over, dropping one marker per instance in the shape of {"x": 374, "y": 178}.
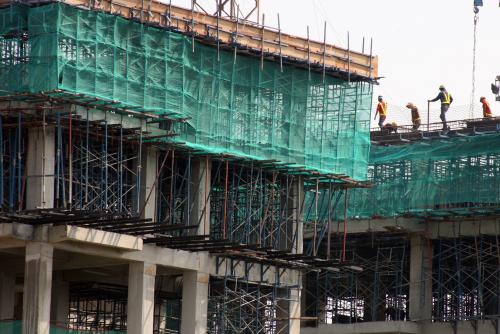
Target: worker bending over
{"x": 415, "y": 116}
{"x": 446, "y": 100}
{"x": 486, "y": 108}
{"x": 391, "y": 127}
{"x": 382, "y": 111}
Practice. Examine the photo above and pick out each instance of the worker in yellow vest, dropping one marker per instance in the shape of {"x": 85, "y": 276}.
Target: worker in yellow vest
{"x": 381, "y": 111}
{"x": 446, "y": 100}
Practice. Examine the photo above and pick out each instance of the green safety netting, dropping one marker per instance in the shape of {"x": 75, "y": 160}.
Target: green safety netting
{"x": 10, "y": 327}
{"x": 288, "y": 115}
{"x": 15, "y": 327}
{"x": 431, "y": 175}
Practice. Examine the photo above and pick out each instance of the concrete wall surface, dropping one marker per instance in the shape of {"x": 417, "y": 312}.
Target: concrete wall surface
{"x": 406, "y": 327}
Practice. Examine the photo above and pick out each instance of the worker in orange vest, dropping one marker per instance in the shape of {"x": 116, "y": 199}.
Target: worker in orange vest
{"x": 415, "y": 115}
{"x": 382, "y": 111}
{"x": 486, "y": 108}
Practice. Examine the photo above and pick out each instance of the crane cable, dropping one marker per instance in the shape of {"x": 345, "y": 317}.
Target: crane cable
{"x": 473, "y": 93}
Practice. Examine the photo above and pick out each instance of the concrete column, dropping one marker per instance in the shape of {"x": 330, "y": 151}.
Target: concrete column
{"x": 194, "y": 302}
{"x": 296, "y": 207}
{"x": 141, "y": 298}
{"x": 40, "y": 162}
{"x": 201, "y": 170}
{"x": 420, "y": 302}
{"x": 149, "y": 170}
{"x": 60, "y": 302}
{"x": 37, "y": 288}
{"x": 295, "y": 310}
{"x": 7, "y": 296}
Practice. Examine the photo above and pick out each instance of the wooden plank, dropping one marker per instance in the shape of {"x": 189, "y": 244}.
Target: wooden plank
{"x": 249, "y": 36}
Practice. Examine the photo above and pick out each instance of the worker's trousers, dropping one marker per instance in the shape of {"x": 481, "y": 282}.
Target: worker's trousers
{"x": 381, "y": 121}
{"x": 444, "y": 109}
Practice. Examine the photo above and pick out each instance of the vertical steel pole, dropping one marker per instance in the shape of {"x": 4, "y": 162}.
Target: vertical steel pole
{"x": 70, "y": 160}
{"x": 87, "y": 157}
{"x": 428, "y": 115}
{"x": 1, "y": 164}
{"x": 139, "y": 168}
{"x": 19, "y": 161}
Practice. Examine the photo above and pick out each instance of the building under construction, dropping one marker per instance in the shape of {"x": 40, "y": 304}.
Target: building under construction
{"x": 164, "y": 170}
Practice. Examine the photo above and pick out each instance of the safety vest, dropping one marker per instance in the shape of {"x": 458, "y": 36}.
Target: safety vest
{"x": 486, "y": 109}
{"x": 382, "y": 108}
{"x": 447, "y": 98}
{"x": 415, "y": 115}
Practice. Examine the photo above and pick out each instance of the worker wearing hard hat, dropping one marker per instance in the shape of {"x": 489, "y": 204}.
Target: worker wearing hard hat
{"x": 391, "y": 127}
{"x": 415, "y": 115}
{"x": 446, "y": 100}
{"x": 382, "y": 111}
{"x": 486, "y": 108}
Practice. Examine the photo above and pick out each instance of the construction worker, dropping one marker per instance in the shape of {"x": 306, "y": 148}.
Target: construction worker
{"x": 391, "y": 127}
{"x": 382, "y": 111}
{"x": 415, "y": 116}
{"x": 446, "y": 100}
{"x": 486, "y": 108}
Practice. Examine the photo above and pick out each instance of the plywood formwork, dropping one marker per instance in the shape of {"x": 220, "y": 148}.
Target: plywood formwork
{"x": 236, "y": 33}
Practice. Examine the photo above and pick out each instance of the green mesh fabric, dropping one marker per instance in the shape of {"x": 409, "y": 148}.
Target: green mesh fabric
{"x": 436, "y": 175}
{"x": 54, "y": 330}
{"x": 11, "y": 327}
{"x": 234, "y": 107}
{"x": 16, "y": 327}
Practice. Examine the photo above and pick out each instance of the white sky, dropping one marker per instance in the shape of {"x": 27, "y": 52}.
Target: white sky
{"x": 421, "y": 44}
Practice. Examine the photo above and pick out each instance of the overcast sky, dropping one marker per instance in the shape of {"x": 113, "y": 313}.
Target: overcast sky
{"x": 421, "y": 44}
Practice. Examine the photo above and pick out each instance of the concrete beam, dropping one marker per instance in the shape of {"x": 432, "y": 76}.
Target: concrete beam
{"x": 194, "y": 302}
{"x": 432, "y": 229}
{"x": 37, "y": 288}
{"x": 59, "y": 234}
{"x": 141, "y": 298}
{"x": 464, "y": 228}
{"x": 40, "y": 163}
{"x": 375, "y": 327}
{"x": 360, "y": 226}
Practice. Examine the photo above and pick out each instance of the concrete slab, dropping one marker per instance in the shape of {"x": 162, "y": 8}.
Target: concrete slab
{"x": 376, "y": 327}
{"x": 58, "y": 234}
{"x": 462, "y": 327}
